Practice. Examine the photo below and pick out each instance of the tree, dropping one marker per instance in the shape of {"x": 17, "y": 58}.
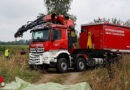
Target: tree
{"x": 112, "y": 20}
{"x": 127, "y": 23}
{"x": 59, "y": 7}
{"x": 20, "y": 42}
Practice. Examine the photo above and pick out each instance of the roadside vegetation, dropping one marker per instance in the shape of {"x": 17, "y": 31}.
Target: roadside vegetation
{"x": 115, "y": 77}
{"x": 16, "y": 65}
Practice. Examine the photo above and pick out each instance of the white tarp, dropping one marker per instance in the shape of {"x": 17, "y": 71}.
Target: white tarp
{"x": 19, "y": 84}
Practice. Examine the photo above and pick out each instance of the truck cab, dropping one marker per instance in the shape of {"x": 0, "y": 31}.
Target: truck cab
{"x": 49, "y": 44}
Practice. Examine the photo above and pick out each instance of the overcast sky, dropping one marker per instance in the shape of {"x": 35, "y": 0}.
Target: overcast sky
{"x": 14, "y": 13}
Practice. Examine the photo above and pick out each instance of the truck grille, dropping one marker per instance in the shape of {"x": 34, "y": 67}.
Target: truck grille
{"x": 34, "y": 58}
{"x": 36, "y": 50}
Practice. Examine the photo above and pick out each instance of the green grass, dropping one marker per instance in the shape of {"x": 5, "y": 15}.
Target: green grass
{"x": 59, "y": 80}
{"x": 99, "y": 78}
{"x": 13, "y": 49}
{"x": 16, "y": 65}
{"x": 114, "y": 78}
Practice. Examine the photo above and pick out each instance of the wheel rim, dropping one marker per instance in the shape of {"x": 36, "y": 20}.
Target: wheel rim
{"x": 81, "y": 65}
{"x": 64, "y": 66}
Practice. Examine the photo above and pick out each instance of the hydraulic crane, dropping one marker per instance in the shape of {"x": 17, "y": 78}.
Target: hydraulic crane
{"x": 61, "y": 19}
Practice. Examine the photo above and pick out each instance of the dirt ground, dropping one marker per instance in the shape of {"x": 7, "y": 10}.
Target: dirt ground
{"x": 68, "y": 78}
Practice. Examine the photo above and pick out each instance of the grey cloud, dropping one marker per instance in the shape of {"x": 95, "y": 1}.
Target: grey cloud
{"x": 19, "y": 8}
{"x": 87, "y": 10}
{"x": 14, "y": 13}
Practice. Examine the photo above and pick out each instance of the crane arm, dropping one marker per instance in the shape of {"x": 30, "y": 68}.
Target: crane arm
{"x": 43, "y": 19}
{"x": 28, "y": 26}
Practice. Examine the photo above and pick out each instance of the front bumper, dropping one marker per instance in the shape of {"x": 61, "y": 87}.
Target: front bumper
{"x": 35, "y": 58}
{"x": 41, "y": 58}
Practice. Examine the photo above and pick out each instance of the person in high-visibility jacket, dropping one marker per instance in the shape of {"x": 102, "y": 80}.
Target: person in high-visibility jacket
{"x": 7, "y": 53}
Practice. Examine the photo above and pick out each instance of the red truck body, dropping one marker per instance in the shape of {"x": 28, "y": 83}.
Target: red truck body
{"x": 53, "y": 45}
{"x": 106, "y": 36}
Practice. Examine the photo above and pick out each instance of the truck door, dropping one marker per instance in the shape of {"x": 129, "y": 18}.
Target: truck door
{"x": 58, "y": 40}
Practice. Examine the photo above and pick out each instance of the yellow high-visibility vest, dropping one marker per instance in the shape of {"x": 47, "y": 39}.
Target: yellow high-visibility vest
{"x": 6, "y": 52}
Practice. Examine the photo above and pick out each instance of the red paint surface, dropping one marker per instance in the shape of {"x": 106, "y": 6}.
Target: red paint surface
{"x": 107, "y": 36}
{"x": 83, "y": 40}
{"x": 53, "y": 45}
{"x": 1, "y": 79}
{"x": 57, "y": 44}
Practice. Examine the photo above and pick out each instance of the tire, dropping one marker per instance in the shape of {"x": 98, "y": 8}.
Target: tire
{"x": 80, "y": 64}
{"x": 62, "y": 65}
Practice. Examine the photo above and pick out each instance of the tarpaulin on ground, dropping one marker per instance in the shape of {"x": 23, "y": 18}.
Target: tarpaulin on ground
{"x": 19, "y": 84}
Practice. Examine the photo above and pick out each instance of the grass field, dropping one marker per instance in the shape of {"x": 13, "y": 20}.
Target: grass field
{"x": 16, "y": 65}
{"x": 116, "y": 77}
{"x": 13, "y": 49}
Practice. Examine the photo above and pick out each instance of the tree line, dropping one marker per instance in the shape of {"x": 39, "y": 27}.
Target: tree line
{"x": 19, "y": 42}
{"x": 111, "y": 20}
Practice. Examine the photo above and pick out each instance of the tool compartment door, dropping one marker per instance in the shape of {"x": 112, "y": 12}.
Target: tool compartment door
{"x": 97, "y": 35}
{"x": 114, "y": 37}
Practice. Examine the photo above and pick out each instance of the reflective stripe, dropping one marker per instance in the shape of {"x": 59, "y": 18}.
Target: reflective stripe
{"x": 119, "y": 50}
{"x": 124, "y": 50}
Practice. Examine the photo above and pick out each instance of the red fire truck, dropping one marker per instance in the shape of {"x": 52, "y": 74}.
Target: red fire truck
{"x": 53, "y": 43}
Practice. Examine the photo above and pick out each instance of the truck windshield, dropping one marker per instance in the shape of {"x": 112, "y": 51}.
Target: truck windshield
{"x": 41, "y": 35}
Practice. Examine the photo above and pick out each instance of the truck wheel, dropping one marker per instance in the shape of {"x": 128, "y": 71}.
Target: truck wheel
{"x": 62, "y": 65}
{"x": 80, "y": 64}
